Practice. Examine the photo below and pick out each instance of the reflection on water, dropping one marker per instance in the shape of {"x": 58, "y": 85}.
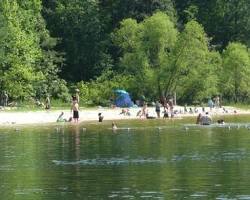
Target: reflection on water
{"x": 226, "y": 156}
{"x": 92, "y": 162}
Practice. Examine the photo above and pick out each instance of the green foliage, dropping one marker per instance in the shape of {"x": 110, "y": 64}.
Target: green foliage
{"x": 28, "y": 63}
{"x": 20, "y": 49}
{"x": 191, "y": 72}
{"x": 78, "y": 24}
{"x": 164, "y": 61}
{"x": 224, "y": 21}
{"x": 145, "y": 47}
{"x": 100, "y": 90}
{"x": 236, "y": 72}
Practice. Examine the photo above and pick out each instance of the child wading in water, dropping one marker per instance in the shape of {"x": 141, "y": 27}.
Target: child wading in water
{"x": 75, "y": 109}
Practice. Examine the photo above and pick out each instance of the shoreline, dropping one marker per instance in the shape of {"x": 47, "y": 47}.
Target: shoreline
{"x": 88, "y": 115}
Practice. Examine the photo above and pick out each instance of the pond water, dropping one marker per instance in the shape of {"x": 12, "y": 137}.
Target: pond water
{"x": 147, "y": 159}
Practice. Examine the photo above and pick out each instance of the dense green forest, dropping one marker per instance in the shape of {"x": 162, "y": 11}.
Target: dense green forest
{"x": 194, "y": 48}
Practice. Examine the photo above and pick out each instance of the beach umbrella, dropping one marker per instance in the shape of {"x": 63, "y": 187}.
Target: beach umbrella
{"x": 120, "y": 91}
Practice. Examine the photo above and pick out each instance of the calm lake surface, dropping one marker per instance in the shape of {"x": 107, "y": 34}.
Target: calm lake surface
{"x": 148, "y": 159}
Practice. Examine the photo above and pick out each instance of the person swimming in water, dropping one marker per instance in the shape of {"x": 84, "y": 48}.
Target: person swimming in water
{"x": 220, "y": 121}
{"x": 114, "y": 127}
{"x": 206, "y": 119}
{"x": 198, "y": 120}
{"x": 100, "y": 117}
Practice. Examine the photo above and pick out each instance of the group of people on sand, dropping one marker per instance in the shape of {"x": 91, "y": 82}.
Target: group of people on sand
{"x": 168, "y": 109}
{"x": 214, "y": 103}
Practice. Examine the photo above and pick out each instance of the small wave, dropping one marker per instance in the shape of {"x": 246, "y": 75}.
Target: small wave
{"x": 243, "y": 197}
{"x": 28, "y": 191}
{"x": 195, "y": 157}
{"x": 111, "y": 161}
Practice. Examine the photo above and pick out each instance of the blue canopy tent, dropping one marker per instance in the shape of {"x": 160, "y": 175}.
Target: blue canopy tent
{"x": 122, "y": 99}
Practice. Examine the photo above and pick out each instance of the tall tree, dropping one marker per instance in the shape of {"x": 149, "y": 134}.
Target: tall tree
{"x": 84, "y": 28}
{"x": 24, "y": 47}
{"x": 20, "y": 49}
{"x": 145, "y": 47}
{"x": 224, "y": 20}
{"x": 235, "y": 72}
{"x": 136, "y": 9}
{"x": 77, "y": 23}
{"x": 190, "y": 71}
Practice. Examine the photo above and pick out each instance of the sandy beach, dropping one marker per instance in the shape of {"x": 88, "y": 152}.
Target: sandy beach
{"x": 38, "y": 117}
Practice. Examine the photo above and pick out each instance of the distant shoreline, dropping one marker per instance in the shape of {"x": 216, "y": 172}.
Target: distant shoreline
{"x": 43, "y": 117}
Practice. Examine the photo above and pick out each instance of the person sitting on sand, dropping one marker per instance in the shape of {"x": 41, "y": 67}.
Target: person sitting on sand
{"x": 70, "y": 119}
{"x": 100, "y": 117}
{"x": 224, "y": 110}
{"x": 60, "y": 118}
{"x": 196, "y": 110}
{"x": 149, "y": 117}
{"x": 125, "y": 112}
{"x": 165, "y": 114}
{"x": 39, "y": 103}
{"x": 128, "y": 112}
{"x": 114, "y": 127}
{"x": 143, "y": 111}
{"x": 191, "y": 111}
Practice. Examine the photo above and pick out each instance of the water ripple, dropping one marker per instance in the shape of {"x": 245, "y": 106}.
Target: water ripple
{"x": 194, "y": 157}
{"x": 111, "y": 161}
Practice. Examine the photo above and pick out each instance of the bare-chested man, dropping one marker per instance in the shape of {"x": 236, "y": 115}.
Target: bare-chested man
{"x": 75, "y": 109}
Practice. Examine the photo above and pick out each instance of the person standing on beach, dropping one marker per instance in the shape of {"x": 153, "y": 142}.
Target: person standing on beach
{"x": 5, "y": 99}
{"x": 47, "y": 103}
{"x": 171, "y": 107}
{"x": 144, "y": 111}
{"x": 217, "y": 102}
{"x": 210, "y": 104}
{"x": 75, "y": 109}
{"x": 158, "y": 108}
